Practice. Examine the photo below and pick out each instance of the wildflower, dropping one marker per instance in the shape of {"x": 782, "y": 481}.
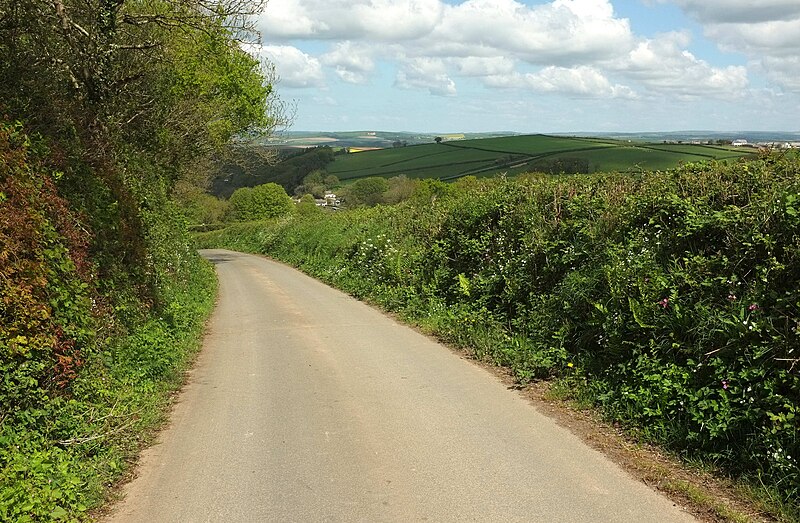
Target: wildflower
{"x": 725, "y": 384}
{"x": 664, "y": 303}
{"x": 731, "y": 297}
{"x": 570, "y": 365}
{"x": 753, "y": 307}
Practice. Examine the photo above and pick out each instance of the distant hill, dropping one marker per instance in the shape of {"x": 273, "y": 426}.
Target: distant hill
{"x": 456, "y": 156}
{"x": 689, "y": 136}
{"x": 368, "y": 139}
{"x": 524, "y": 153}
{"x": 249, "y": 168}
{"x": 389, "y": 139}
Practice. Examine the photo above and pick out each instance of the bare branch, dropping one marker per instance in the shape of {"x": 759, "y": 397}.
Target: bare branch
{"x": 83, "y": 31}
{"x": 80, "y": 441}
{"x": 61, "y": 12}
{"x": 136, "y": 47}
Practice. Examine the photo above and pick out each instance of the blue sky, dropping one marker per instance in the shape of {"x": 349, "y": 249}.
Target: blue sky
{"x": 536, "y": 66}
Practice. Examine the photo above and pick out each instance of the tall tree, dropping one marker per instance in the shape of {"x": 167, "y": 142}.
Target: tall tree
{"x": 137, "y": 92}
{"x": 156, "y": 71}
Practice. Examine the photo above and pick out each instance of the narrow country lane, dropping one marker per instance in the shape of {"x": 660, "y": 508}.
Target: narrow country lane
{"x": 307, "y": 405}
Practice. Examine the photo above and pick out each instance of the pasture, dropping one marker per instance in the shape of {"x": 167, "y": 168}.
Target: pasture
{"x": 519, "y": 154}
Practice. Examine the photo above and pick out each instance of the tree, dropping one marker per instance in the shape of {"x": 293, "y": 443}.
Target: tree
{"x": 331, "y": 181}
{"x": 167, "y": 76}
{"x": 198, "y": 206}
{"x": 308, "y": 206}
{"x": 367, "y": 191}
{"x": 313, "y": 183}
{"x": 135, "y": 94}
{"x": 259, "y": 203}
{"x": 316, "y": 183}
{"x": 438, "y": 139}
{"x": 400, "y": 188}
{"x": 429, "y": 190}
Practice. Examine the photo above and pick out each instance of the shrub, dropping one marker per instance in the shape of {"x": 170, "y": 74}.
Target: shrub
{"x": 259, "y": 203}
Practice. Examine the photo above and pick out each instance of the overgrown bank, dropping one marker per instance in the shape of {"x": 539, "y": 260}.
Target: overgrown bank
{"x": 109, "y": 111}
{"x": 90, "y": 349}
{"x": 670, "y": 299}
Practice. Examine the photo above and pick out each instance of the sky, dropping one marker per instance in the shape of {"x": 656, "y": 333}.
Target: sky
{"x": 450, "y": 66}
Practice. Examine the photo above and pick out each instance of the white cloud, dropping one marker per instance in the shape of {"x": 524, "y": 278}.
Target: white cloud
{"x": 483, "y": 66}
{"x": 579, "y": 47}
{"x": 353, "y": 63}
{"x": 562, "y": 32}
{"x": 325, "y": 100}
{"x": 582, "y": 81}
{"x": 426, "y": 73}
{"x": 739, "y": 11}
{"x": 783, "y": 71}
{"x": 767, "y": 31}
{"x": 294, "y": 67}
{"x": 386, "y": 20}
{"x": 776, "y": 38}
{"x": 663, "y": 66}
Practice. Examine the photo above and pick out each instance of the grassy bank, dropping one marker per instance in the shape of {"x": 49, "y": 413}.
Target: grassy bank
{"x": 670, "y": 300}
{"x": 59, "y": 458}
{"x": 109, "y": 114}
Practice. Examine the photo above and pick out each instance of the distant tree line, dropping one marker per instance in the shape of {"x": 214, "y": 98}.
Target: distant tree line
{"x": 249, "y": 167}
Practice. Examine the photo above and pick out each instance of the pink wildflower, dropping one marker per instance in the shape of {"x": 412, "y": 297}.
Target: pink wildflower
{"x": 664, "y": 303}
{"x": 753, "y": 307}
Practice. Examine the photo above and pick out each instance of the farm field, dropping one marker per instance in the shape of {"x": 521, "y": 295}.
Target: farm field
{"x": 518, "y": 154}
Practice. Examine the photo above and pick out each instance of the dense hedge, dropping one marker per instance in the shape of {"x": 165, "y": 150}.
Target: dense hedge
{"x": 45, "y": 308}
{"x": 109, "y": 112}
{"x": 90, "y": 349}
{"x": 676, "y": 294}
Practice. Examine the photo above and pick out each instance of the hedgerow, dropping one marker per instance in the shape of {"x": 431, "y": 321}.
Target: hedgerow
{"x": 674, "y": 296}
{"x": 109, "y": 111}
{"x": 87, "y": 360}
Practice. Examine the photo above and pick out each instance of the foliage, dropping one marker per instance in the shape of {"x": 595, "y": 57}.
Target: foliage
{"x": 400, "y": 188}
{"x": 670, "y": 297}
{"x": 201, "y": 207}
{"x": 317, "y": 183}
{"x": 120, "y": 106}
{"x": 44, "y": 274}
{"x": 307, "y": 205}
{"x": 259, "y": 202}
{"x": 366, "y": 191}
{"x": 72, "y": 399}
{"x": 250, "y": 166}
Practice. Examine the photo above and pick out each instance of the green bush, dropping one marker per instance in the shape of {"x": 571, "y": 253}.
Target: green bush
{"x": 259, "y": 203}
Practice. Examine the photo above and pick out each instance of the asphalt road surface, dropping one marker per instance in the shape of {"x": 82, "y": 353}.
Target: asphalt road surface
{"x": 307, "y": 405}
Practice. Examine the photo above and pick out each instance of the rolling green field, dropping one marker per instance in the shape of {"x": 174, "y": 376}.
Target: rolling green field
{"x": 519, "y": 154}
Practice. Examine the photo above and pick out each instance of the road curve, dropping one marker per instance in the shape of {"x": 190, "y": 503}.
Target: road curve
{"x": 307, "y": 405}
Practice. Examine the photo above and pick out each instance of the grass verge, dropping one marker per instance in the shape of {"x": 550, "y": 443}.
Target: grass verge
{"x": 60, "y": 461}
